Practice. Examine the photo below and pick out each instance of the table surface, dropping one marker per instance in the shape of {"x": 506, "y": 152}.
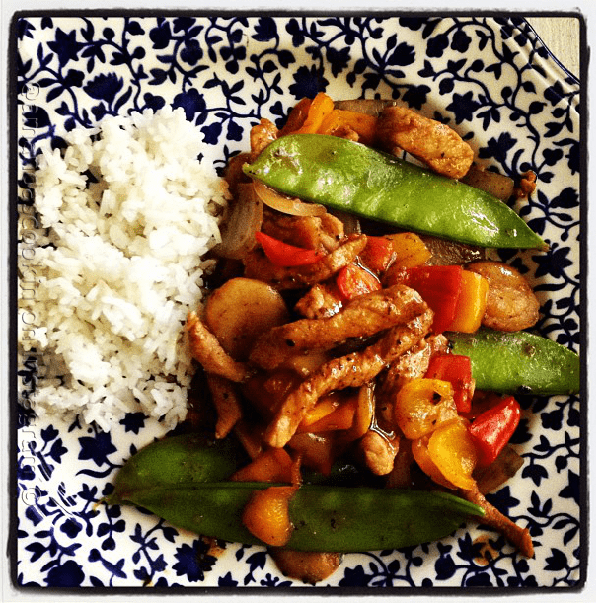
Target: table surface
{"x": 561, "y": 35}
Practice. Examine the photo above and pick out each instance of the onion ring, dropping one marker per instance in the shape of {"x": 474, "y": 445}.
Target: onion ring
{"x": 285, "y": 204}
{"x": 246, "y": 218}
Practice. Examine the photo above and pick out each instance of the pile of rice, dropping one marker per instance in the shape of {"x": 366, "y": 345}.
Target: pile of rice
{"x": 123, "y": 266}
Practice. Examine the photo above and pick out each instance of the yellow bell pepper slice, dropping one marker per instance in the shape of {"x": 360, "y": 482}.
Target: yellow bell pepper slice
{"x": 422, "y": 405}
{"x": 423, "y": 460}
{"x": 452, "y": 449}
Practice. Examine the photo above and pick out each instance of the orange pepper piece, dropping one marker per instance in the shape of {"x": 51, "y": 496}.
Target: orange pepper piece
{"x": 267, "y": 515}
{"x": 363, "y": 416}
{"x": 409, "y": 249}
{"x": 325, "y": 406}
{"x": 296, "y": 117}
{"x": 272, "y": 465}
{"x": 363, "y": 124}
{"x": 341, "y": 418}
{"x": 320, "y": 107}
{"x": 471, "y": 304}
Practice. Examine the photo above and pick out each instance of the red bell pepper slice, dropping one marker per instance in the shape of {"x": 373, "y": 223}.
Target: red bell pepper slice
{"x": 493, "y": 429}
{"x": 439, "y": 287}
{"x": 456, "y": 369}
{"x": 378, "y": 253}
{"x": 354, "y": 280}
{"x": 283, "y": 254}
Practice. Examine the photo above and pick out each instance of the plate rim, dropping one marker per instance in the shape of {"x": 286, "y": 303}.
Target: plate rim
{"x": 152, "y": 13}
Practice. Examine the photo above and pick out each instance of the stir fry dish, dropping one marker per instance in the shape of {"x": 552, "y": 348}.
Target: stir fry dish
{"x": 359, "y": 350}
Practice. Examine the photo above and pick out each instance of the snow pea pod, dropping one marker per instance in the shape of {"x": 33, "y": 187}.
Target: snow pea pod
{"x": 521, "y": 362}
{"x": 198, "y": 497}
{"x": 174, "y": 461}
{"x": 349, "y": 176}
{"x": 325, "y": 519}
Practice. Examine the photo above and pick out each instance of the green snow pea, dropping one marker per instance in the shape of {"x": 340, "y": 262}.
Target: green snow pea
{"x": 325, "y": 518}
{"x": 349, "y": 176}
{"x": 171, "y": 462}
{"x": 511, "y": 363}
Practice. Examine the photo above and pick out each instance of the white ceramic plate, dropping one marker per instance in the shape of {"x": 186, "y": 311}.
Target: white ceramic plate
{"x": 490, "y": 79}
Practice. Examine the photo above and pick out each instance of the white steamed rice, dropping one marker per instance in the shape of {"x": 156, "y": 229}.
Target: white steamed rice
{"x": 124, "y": 266}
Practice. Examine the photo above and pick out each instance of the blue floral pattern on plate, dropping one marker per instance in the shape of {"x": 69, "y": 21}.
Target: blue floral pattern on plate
{"x": 492, "y": 80}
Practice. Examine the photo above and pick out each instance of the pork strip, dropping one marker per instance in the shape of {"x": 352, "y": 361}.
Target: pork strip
{"x": 256, "y": 265}
{"x": 412, "y": 365}
{"x": 401, "y": 474}
{"x": 261, "y": 135}
{"x": 519, "y": 537}
{"x": 226, "y": 402}
{"x": 206, "y": 349}
{"x": 352, "y": 370}
{"x": 323, "y": 233}
{"x": 430, "y": 141}
{"x": 364, "y": 316}
{"x": 320, "y": 301}
{"x": 378, "y": 451}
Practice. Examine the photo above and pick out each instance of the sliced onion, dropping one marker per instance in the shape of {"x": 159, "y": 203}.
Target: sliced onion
{"x": 351, "y": 222}
{"x": 503, "y": 468}
{"x": 238, "y": 232}
{"x": 446, "y": 252}
{"x": 497, "y": 185}
{"x": 285, "y": 204}
{"x": 362, "y": 105}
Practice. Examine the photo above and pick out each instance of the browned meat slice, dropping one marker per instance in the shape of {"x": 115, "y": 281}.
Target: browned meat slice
{"x": 352, "y": 370}
{"x": 261, "y": 135}
{"x": 282, "y": 277}
{"x": 401, "y": 474}
{"x": 527, "y": 185}
{"x": 364, "y": 316}
{"x": 345, "y": 131}
{"x": 519, "y": 537}
{"x": 234, "y": 175}
{"x": 205, "y": 348}
{"x": 378, "y": 451}
{"x": 305, "y": 566}
{"x": 412, "y": 364}
{"x": 430, "y": 141}
{"x": 226, "y": 402}
{"x": 249, "y": 435}
{"x": 408, "y": 366}
{"x": 309, "y": 232}
{"x": 320, "y": 301}
{"x": 512, "y": 305}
